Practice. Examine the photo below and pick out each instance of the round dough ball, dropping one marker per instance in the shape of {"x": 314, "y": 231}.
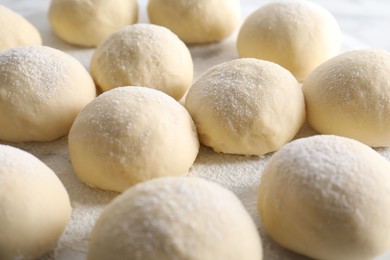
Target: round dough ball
{"x": 175, "y": 218}
{"x": 246, "y": 106}
{"x": 143, "y": 55}
{"x": 196, "y": 21}
{"x": 131, "y": 134}
{"x": 327, "y": 197}
{"x": 41, "y": 92}
{"x": 298, "y": 35}
{"x": 89, "y": 22}
{"x": 34, "y": 205}
{"x": 349, "y": 95}
{"x": 15, "y": 30}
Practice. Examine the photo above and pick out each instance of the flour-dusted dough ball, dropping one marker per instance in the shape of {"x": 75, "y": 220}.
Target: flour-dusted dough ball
{"x": 15, "y": 30}
{"x": 143, "y": 55}
{"x": 41, "y": 92}
{"x": 34, "y": 205}
{"x": 327, "y": 197}
{"x": 298, "y": 35}
{"x": 196, "y": 21}
{"x": 246, "y": 106}
{"x": 349, "y": 95}
{"x": 175, "y": 218}
{"x": 89, "y": 22}
{"x": 131, "y": 134}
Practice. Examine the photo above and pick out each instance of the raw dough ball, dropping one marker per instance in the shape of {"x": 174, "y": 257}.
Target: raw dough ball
{"x": 15, "y": 30}
{"x": 89, "y": 22}
{"x": 196, "y": 21}
{"x": 175, "y": 218}
{"x": 327, "y": 197}
{"x": 129, "y": 135}
{"x": 143, "y": 55}
{"x": 34, "y": 205}
{"x": 298, "y": 35}
{"x": 246, "y": 106}
{"x": 41, "y": 92}
{"x": 349, "y": 95}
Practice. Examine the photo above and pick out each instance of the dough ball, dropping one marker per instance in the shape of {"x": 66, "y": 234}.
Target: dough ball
{"x": 175, "y": 218}
{"x": 246, "y": 106}
{"x": 15, "y": 30}
{"x": 89, "y": 22}
{"x": 196, "y": 21}
{"x": 129, "y": 135}
{"x": 327, "y": 197}
{"x": 143, "y": 55}
{"x": 41, "y": 92}
{"x": 34, "y": 205}
{"x": 349, "y": 95}
{"x": 298, "y": 35}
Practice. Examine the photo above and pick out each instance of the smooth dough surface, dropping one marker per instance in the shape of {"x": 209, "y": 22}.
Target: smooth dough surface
{"x": 89, "y": 22}
{"x": 131, "y": 134}
{"x": 175, "y": 218}
{"x": 349, "y": 95}
{"x": 15, "y": 30}
{"x": 41, "y": 92}
{"x": 298, "y": 35}
{"x": 34, "y": 205}
{"x": 143, "y": 55}
{"x": 246, "y": 106}
{"x": 327, "y": 197}
{"x": 196, "y": 21}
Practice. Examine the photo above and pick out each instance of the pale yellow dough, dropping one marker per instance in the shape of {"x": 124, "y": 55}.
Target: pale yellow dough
{"x": 196, "y": 21}
{"x": 327, "y": 197}
{"x": 143, "y": 55}
{"x": 15, "y": 30}
{"x": 298, "y": 35}
{"x": 349, "y": 95}
{"x": 89, "y": 22}
{"x": 129, "y": 135}
{"x": 246, "y": 106}
{"x": 41, "y": 92}
{"x": 34, "y": 206}
{"x": 175, "y": 218}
